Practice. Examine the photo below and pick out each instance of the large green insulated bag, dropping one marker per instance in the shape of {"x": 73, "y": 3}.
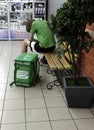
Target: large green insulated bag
{"x": 26, "y": 69}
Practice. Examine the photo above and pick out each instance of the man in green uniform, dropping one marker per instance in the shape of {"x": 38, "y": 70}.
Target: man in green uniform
{"x": 45, "y": 40}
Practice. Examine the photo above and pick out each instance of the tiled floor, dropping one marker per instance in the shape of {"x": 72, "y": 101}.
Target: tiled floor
{"x": 35, "y": 108}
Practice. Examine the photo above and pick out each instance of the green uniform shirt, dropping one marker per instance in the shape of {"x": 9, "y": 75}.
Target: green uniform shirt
{"x": 43, "y": 33}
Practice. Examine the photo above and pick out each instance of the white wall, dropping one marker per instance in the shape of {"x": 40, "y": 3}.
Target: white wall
{"x": 53, "y": 5}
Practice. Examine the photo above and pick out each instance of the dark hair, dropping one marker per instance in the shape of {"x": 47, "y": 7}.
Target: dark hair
{"x": 29, "y": 24}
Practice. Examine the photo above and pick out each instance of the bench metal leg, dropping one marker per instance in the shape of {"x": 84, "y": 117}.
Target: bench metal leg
{"x": 55, "y": 82}
{"x": 49, "y": 71}
{"x": 52, "y": 84}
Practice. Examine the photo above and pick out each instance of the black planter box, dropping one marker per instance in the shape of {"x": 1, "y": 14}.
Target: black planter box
{"x": 79, "y": 96}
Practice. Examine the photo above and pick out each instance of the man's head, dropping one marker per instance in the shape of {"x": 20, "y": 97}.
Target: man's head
{"x": 28, "y": 25}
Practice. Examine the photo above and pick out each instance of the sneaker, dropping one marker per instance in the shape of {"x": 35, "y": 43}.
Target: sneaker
{"x": 43, "y": 60}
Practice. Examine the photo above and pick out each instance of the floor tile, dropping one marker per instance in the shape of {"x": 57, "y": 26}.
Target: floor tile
{"x": 65, "y": 100}
{"x": 51, "y": 93}
{"x": 85, "y": 124}
{"x": 92, "y": 110}
{"x": 35, "y": 103}
{"x": 17, "y": 116}
{"x": 33, "y": 93}
{"x": 36, "y": 115}
{"x": 63, "y": 125}
{"x": 20, "y": 126}
{"x": 37, "y": 86}
{"x": 44, "y": 80}
{"x": 14, "y": 87}
{"x": 1, "y": 104}
{"x": 4, "y": 64}
{"x": 38, "y": 126}
{"x": 3, "y": 74}
{"x": 11, "y": 77}
{"x": 0, "y": 116}
{"x": 62, "y": 91}
{"x": 4, "y": 70}
{"x": 3, "y": 80}
{"x": 2, "y": 94}
{"x": 59, "y": 113}
{"x": 81, "y": 113}
{"x": 2, "y": 87}
{"x": 14, "y": 104}
{"x": 55, "y": 102}
{"x": 15, "y": 94}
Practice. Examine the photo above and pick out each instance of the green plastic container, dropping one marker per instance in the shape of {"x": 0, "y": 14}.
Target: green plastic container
{"x": 25, "y": 72}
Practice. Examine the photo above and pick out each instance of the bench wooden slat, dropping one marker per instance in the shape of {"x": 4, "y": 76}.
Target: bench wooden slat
{"x": 50, "y": 61}
{"x": 68, "y": 56}
{"x": 56, "y": 61}
{"x": 64, "y": 63}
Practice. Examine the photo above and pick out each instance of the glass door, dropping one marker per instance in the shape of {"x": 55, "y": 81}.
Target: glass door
{"x": 4, "y": 33}
{"x": 15, "y": 13}
{"x": 19, "y": 13}
{"x": 39, "y": 9}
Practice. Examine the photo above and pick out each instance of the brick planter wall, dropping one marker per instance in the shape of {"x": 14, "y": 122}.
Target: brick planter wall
{"x": 88, "y": 64}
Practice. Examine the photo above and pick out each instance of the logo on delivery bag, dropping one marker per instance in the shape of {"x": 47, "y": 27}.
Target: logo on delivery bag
{"x": 22, "y": 74}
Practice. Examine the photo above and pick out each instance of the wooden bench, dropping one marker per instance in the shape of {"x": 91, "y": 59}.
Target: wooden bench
{"x": 57, "y": 64}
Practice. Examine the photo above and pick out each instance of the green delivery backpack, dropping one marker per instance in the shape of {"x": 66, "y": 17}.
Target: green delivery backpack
{"x": 26, "y": 70}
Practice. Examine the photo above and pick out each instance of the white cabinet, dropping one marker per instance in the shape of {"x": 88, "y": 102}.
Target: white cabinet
{"x": 15, "y": 13}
